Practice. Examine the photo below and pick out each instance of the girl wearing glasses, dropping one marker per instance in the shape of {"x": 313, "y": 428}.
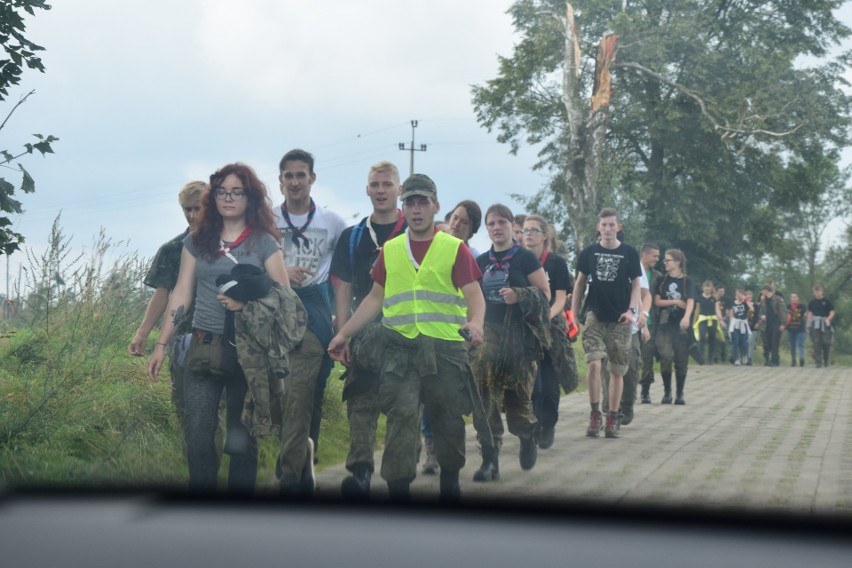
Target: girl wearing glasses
{"x": 236, "y": 227}
{"x": 674, "y": 294}
{"x": 545, "y": 397}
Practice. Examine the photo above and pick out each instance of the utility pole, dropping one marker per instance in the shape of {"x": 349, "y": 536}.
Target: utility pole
{"x": 412, "y": 148}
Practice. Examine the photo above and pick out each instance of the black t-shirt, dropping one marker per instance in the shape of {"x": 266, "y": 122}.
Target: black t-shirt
{"x": 521, "y": 265}
{"x": 609, "y": 273}
{"x": 556, "y": 270}
{"x": 739, "y": 311}
{"x": 820, "y": 308}
{"x": 706, "y": 305}
{"x": 797, "y": 317}
{"x": 354, "y": 257}
{"x": 668, "y": 288}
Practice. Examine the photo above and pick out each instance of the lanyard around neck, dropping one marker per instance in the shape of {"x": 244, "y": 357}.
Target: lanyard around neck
{"x": 226, "y": 250}
{"x": 400, "y": 221}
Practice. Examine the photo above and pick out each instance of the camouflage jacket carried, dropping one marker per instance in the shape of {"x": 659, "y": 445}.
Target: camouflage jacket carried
{"x": 266, "y": 330}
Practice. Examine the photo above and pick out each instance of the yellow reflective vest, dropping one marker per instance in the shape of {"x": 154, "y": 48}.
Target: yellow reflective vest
{"x": 425, "y": 300}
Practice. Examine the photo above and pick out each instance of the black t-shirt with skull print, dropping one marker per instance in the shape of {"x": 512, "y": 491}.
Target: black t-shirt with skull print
{"x": 669, "y": 288}
{"x": 609, "y": 274}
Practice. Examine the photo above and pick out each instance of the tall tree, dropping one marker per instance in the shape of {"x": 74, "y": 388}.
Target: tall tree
{"x": 711, "y": 103}
{"x": 19, "y": 52}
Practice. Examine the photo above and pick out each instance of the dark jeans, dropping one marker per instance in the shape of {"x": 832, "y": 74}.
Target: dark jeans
{"x": 545, "y": 396}
{"x": 201, "y": 417}
{"x": 771, "y": 343}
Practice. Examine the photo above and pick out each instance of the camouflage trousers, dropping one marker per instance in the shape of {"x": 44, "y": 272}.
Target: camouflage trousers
{"x": 648, "y": 349}
{"x": 436, "y": 373}
{"x": 673, "y": 346}
{"x": 821, "y": 341}
{"x": 362, "y": 413}
{"x": 631, "y": 377}
{"x": 498, "y": 389}
{"x": 298, "y": 407}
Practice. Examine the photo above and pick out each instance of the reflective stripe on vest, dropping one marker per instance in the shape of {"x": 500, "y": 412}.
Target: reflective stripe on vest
{"x": 423, "y": 301}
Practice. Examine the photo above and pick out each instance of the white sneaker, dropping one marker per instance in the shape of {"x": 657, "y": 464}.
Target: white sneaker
{"x": 737, "y": 362}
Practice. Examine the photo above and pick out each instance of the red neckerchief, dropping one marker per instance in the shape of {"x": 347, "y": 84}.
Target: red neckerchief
{"x": 299, "y": 232}
{"x": 226, "y": 250}
{"x": 502, "y": 264}
{"x": 543, "y": 257}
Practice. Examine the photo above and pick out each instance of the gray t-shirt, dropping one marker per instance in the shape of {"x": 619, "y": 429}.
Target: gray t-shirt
{"x": 209, "y": 313}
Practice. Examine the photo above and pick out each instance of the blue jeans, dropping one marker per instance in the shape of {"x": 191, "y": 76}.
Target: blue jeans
{"x": 739, "y": 345}
{"x": 797, "y": 343}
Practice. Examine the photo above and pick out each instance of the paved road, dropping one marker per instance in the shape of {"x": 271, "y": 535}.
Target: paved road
{"x": 748, "y": 437}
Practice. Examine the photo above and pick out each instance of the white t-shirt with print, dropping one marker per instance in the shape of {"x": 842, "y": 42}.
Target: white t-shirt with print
{"x": 322, "y": 234}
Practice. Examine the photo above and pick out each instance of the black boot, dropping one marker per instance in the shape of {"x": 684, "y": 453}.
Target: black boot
{"x": 646, "y": 394}
{"x": 667, "y": 389}
{"x": 490, "y": 468}
{"x": 681, "y": 381}
{"x": 450, "y": 490}
{"x": 529, "y": 453}
{"x": 399, "y": 491}
{"x": 357, "y": 486}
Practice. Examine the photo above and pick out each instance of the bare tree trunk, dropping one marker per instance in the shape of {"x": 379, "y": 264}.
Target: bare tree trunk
{"x": 585, "y": 137}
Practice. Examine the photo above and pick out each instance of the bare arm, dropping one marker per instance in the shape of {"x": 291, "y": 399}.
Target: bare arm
{"x": 275, "y": 268}
{"x": 579, "y": 292}
{"x": 685, "y": 322}
{"x": 557, "y": 306}
{"x": 370, "y": 307}
{"x": 156, "y": 306}
{"x": 342, "y": 304}
{"x": 180, "y": 301}
{"x": 475, "y": 311}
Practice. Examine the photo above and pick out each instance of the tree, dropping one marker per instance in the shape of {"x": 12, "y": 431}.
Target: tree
{"x": 19, "y": 52}
{"x": 710, "y": 105}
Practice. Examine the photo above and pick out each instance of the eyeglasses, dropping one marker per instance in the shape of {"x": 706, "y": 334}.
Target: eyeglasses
{"x": 235, "y": 194}
{"x": 528, "y": 231}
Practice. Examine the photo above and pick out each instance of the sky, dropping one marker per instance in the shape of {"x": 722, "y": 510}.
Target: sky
{"x": 146, "y": 96}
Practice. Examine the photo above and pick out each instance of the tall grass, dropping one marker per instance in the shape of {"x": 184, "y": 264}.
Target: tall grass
{"x": 76, "y": 410}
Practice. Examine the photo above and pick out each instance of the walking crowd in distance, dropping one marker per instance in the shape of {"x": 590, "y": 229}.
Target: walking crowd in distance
{"x": 258, "y": 302}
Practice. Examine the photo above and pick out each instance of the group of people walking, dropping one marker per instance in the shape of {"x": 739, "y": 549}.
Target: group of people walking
{"x": 260, "y": 301}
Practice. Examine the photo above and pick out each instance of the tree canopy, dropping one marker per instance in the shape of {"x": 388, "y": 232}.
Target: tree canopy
{"x": 715, "y": 107}
{"x": 19, "y": 52}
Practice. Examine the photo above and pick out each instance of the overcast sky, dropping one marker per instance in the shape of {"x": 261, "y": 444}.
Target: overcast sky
{"x": 145, "y": 96}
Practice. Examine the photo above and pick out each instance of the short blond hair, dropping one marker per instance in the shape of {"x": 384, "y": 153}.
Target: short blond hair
{"x": 191, "y": 192}
{"x": 384, "y": 167}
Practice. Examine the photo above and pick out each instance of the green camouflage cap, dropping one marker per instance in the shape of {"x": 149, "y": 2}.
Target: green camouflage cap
{"x": 419, "y": 184}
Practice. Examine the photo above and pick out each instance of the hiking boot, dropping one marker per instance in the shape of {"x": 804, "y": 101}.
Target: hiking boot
{"x": 357, "y": 485}
{"x": 679, "y": 400}
{"x": 545, "y": 438}
{"x": 595, "y": 424}
{"x": 801, "y": 363}
{"x": 430, "y": 466}
{"x": 529, "y": 453}
{"x": 667, "y": 398}
{"x": 626, "y": 416}
{"x": 611, "y": 428}
{"x": 489, "y": 470}
{"x": 646, "y": 394}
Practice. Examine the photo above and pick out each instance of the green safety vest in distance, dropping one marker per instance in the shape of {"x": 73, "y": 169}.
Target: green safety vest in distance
{"x": 423, "y": 301}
